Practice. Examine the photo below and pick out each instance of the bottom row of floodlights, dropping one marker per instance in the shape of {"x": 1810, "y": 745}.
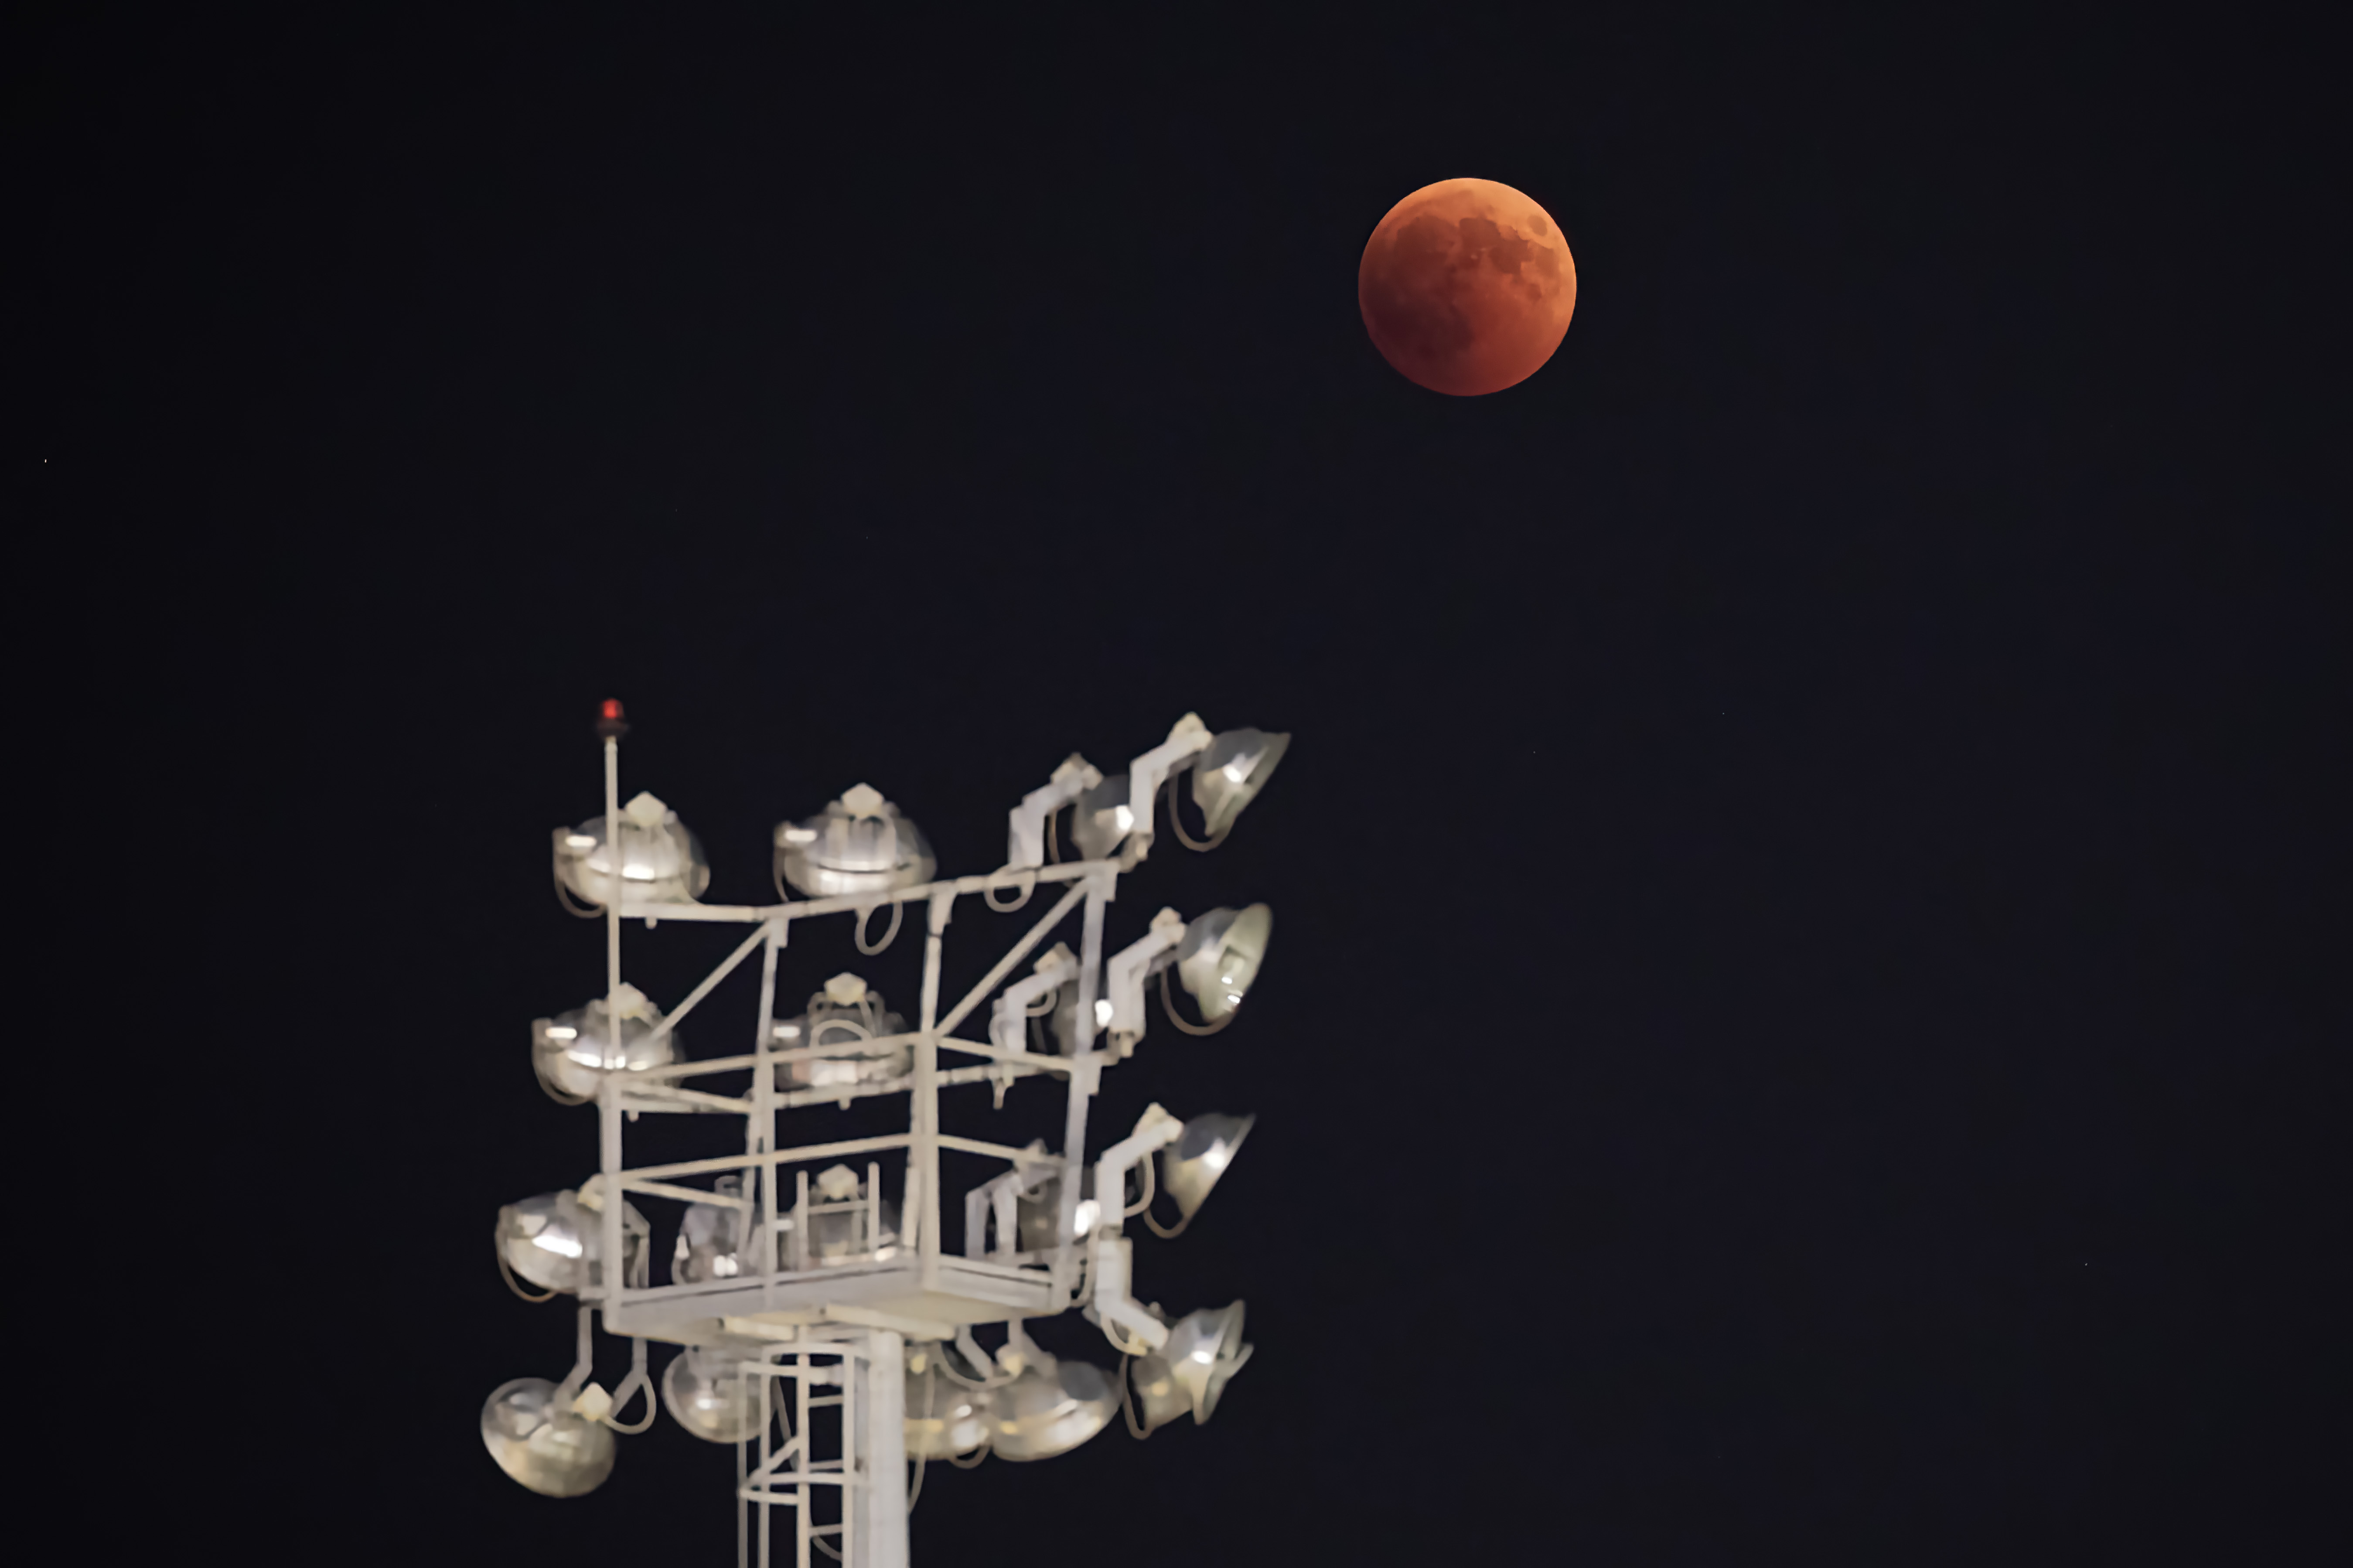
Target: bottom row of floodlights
{"x": 1020, "y": 1403}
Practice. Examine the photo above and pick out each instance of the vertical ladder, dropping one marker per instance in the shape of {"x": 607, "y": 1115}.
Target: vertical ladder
{"x": 863, "y": 1370}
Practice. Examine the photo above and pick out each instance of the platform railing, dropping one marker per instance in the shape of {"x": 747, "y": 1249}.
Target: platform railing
{"x": 623, "y": 1096}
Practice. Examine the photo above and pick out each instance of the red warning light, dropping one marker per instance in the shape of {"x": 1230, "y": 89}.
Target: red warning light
{"x": 612, "y": 708}
{"x": 609, "y": 721}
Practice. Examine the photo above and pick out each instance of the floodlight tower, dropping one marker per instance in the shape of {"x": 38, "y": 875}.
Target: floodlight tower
{"x": 824, "y": 1330}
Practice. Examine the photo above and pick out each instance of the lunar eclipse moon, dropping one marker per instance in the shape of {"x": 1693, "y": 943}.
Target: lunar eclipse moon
{"x": 1466, "y": 287}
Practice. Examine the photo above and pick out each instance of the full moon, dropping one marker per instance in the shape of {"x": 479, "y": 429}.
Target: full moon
{"x": 1466, "y": 287}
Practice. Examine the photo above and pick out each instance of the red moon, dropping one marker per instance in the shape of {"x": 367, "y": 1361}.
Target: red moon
{"x": 1466, "y": 287}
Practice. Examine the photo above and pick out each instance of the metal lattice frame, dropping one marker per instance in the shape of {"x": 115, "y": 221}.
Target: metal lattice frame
{"x": 843, "y": 1327}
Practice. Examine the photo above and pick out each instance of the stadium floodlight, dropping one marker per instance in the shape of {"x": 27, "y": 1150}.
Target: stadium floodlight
{"x": 1200, "y": 1154}
{"x": 1054, "y": 1405}
{"x": 661, "y": 860}
{"x": 944, "y": 1417}
{"x": 555, "y": 1241}
{"x": 572, "y": 1050}
{"x": 1159, "y": 1398}
{"x": 538, "y": 1441}
{"x": 1220, "y": 957}
{"x": 1203, "y": 1351}
{"x": 1239, "y": 763}
{"x": 705, "y": 1392}
{"x": 1216, "y": 956}
{"x": 858, "y": 844}
{"x": 1226, "y": 777}
{"x": 1102, "y": 818}
{"x": 1039, "y": 1216}
{"x": 839, "y": 1019}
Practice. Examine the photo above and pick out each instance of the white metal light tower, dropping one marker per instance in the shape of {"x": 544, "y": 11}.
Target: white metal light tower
{"x": 828, "y": 1332}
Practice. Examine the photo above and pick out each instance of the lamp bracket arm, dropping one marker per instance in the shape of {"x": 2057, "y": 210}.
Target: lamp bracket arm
{"x": 1114, "y": 1306}
{"x": 1005, "y": 1023}
{"x": 1124, "y": 974}
{"x": 584, "y": 1362}
{"x": 1155, "y": 1132}
{"x": 1150, "y": 771}
{"x": 1025, "y": 844}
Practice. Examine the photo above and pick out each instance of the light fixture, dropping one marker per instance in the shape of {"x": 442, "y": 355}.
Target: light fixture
{"x": 1052, "y": 1407}
{"x": 839, "y": 1016}
{"x": 1220, "y": 957}
{"x": 859, "y": 844}
{"x": 661, "y": 859}
{"x": 572, "y": 1050}
{"x": 1158, "y": 1397}
{"x": 944, "y": 1417}
{"x": 1102, "y": 818}
{"x": 843, "y": 1224}
{"x": 709, "y": 1238}
{"x": 1203, "y": 1351}
{"x": 1229, "y": 769}
{"x": 1228, "y": 774}
{"x": 557, "y": 1242}
{"x": 705, "y": 1393}
{"x": 548, "y": 1449}
{"x": 1192, "y": 1165}
{"x": 1039, "y": 1216}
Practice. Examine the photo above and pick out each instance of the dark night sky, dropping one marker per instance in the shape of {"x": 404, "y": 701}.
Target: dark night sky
{"x": 1790, "y": 1035}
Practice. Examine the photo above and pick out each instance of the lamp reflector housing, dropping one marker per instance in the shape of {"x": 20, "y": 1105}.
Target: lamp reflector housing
{"x": 557, "y": 1243}
{"x": 1101, "y": 818}
{"x": 858, "y": 844}
{"x": 944, "y": 1416}
{"x": 661, "y": 860}
{"x": 703, "y": 1393}
{"x": 1220, "y": 957}
{"x": 1159, "y": 1398}
{"x": 1191, "y": 1166}
{"x": 546, "y": 1447}
{"x": 1232, "y": 769}
{"x": 1038, "y": 1216}
{"x": 572, "y": 1050}
{"x": 842, "y": 1026}
{"x": 1204, "y": 1350}
{"x": 1049, "y": 1409}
